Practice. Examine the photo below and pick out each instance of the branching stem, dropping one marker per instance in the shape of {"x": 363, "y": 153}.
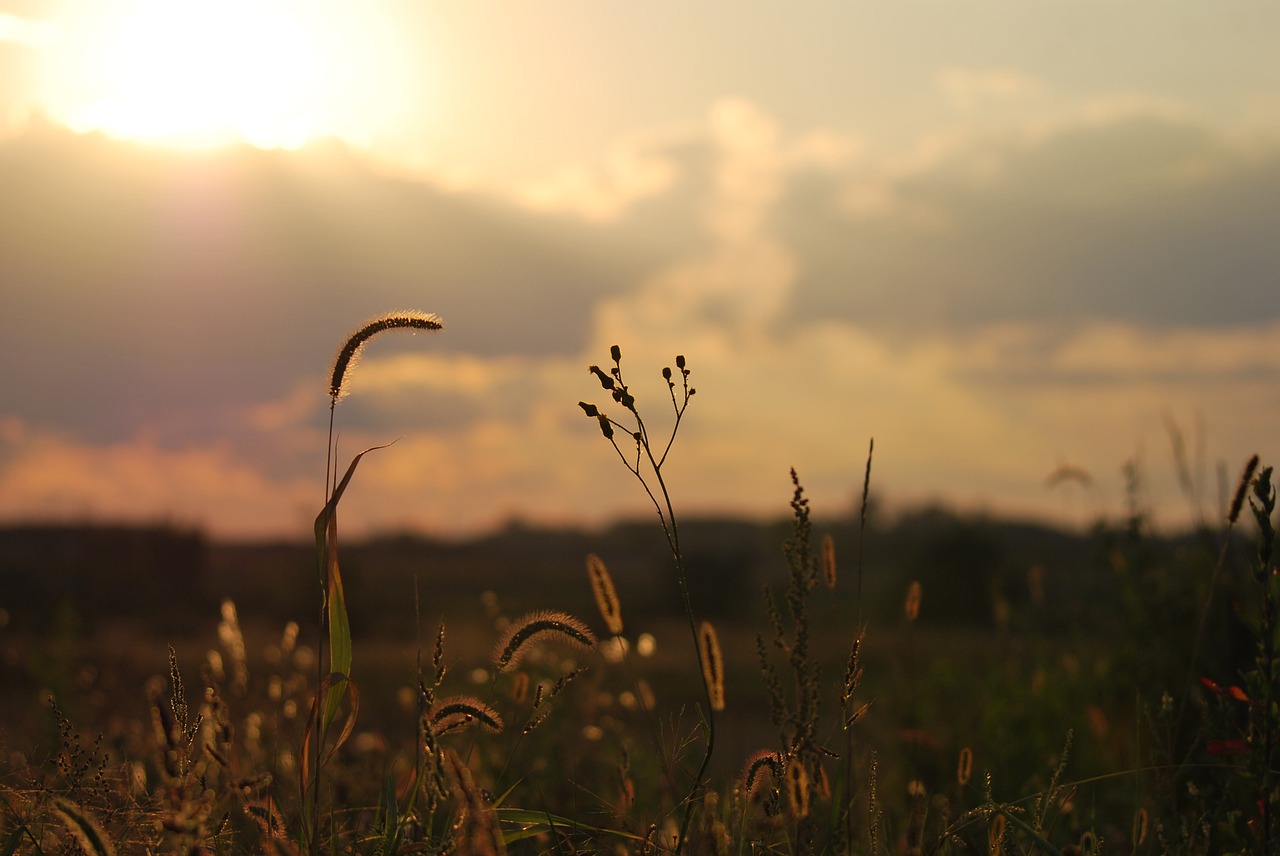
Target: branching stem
{"x": 661, "y": 499}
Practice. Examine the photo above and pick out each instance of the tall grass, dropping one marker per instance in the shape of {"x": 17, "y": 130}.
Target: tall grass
{"x": 569, "y": 740}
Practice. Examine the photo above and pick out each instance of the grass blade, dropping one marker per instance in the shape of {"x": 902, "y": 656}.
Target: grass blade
{"x": 326, "y": 533}
{"x": 527, "y": 823}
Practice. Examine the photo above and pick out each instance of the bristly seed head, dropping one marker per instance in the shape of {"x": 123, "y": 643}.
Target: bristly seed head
{"x": 912, "y": 607}
{"x": 752, "y": 777}
{"x": 457, "y": 712}
{"x": 350, "y": 349}
{"x": 518, "y": 637}
{"x": 964, "y": 766}
{"x": 797, "y": 781}
{"x": 1237, "y": 501}
{"x": 712, "y": 665}
{"x": 829, "y": 560}
{"x": 606, "y": 595}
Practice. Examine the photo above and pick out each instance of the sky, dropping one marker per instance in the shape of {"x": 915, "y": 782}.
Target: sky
{"x": 1010, "y": 242}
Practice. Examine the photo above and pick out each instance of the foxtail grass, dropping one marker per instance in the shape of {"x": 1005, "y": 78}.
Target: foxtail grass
{"x": 337, "y": 685}
{"x": 712, "y": 664}
{"x": 349, "y": 353}
{"x": 457, "y": 712}
{"x": 521, "y": 635}
{"x": 606, "y": 594}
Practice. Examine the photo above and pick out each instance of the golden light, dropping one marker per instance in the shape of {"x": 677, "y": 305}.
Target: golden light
{"x": 273, "y": 73}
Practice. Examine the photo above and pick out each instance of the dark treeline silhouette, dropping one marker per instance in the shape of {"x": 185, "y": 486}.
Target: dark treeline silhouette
{"x": 145, "y": 573}
{"x": 975, "y": 571}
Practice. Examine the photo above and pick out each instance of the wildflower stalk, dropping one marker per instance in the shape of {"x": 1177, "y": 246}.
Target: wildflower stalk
{"x": 646, "y": 465}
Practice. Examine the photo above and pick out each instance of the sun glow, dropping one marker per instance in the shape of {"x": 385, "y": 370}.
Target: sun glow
{"x": 274, "y": 73}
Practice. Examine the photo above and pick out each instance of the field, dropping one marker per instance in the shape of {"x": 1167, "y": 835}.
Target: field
{"x": 931, "y": 683}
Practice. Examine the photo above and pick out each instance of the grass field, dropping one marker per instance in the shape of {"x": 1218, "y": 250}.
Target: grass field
{"x": 810, "y": 687}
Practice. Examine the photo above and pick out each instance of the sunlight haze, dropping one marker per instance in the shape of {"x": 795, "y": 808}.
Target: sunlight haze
{"x": 273, "y": 74}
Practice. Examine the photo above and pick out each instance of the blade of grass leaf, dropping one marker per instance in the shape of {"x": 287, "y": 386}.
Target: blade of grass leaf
{"x": 392, "y": 828}
{"x": 531, "y": 822}
{"x": 332, "y": 685}
{"x": 326, "y": 534}
{"x": 1027, "y": 829}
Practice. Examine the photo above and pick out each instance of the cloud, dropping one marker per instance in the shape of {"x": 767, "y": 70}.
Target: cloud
{"x": 45, "y": 476}
{"x": 632, "y": 172}
{"x": 1010, "y": 302}
{"x": 978, "y": 419}
{"x": 1137, "y": 220}
{"x": 966, "y": 87}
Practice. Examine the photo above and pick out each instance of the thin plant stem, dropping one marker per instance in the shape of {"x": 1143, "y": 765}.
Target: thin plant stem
{"x": 665, "y": 509}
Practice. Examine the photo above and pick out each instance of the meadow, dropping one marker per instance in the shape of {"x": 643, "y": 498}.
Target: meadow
{"x": 934, "y": 684}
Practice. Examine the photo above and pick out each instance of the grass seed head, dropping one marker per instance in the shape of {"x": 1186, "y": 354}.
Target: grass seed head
{"x": 520, "y": 636}
{"x": 912, "y": 606}
{"x": 964, "y": 766}
{"x": 350, "y": 350}
{"x": 1141, "y": 822}
{"x": 797, "y": 787}
{"x": 761, "y": 762}
{"x": 995, "y": 835}
{"x": 712, "y": 665}
{"x": 605, "y": 593}
{"x": 829, "y": 560}
{"x": 1237, "y": 501}
{"x": 458, "y": 712}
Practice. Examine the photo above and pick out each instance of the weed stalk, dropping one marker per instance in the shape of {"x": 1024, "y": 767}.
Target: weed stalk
{"x": 646, "y": 466}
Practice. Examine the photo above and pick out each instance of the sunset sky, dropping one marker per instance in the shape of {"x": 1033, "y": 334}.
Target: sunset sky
{"x": 1005, "y": 239}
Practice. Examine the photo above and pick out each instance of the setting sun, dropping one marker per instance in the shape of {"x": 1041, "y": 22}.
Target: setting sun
{"x": 274, "y": 74}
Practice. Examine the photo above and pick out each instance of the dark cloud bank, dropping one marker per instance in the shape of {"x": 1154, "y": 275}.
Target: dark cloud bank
{"x": 154, "y": 290}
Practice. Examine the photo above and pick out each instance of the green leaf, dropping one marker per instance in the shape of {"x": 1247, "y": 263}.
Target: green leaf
{"x": 392, "y": 828}
{"x": 326, "y": 533}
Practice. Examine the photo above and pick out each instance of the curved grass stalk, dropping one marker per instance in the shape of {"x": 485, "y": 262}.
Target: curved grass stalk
{"x": 337, "y": 684}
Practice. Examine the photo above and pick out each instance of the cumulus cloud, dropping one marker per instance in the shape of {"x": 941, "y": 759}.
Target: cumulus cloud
{"x": 46, "y": 476}
{"x": 632, "y": 172}
{"x": 977, "y": 413}
{"x": 965, "y": 87}
{"x": 993, "y": 306}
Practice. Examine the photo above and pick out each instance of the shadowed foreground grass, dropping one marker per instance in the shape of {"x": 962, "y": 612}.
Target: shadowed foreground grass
{"x": 822, "y": 725}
